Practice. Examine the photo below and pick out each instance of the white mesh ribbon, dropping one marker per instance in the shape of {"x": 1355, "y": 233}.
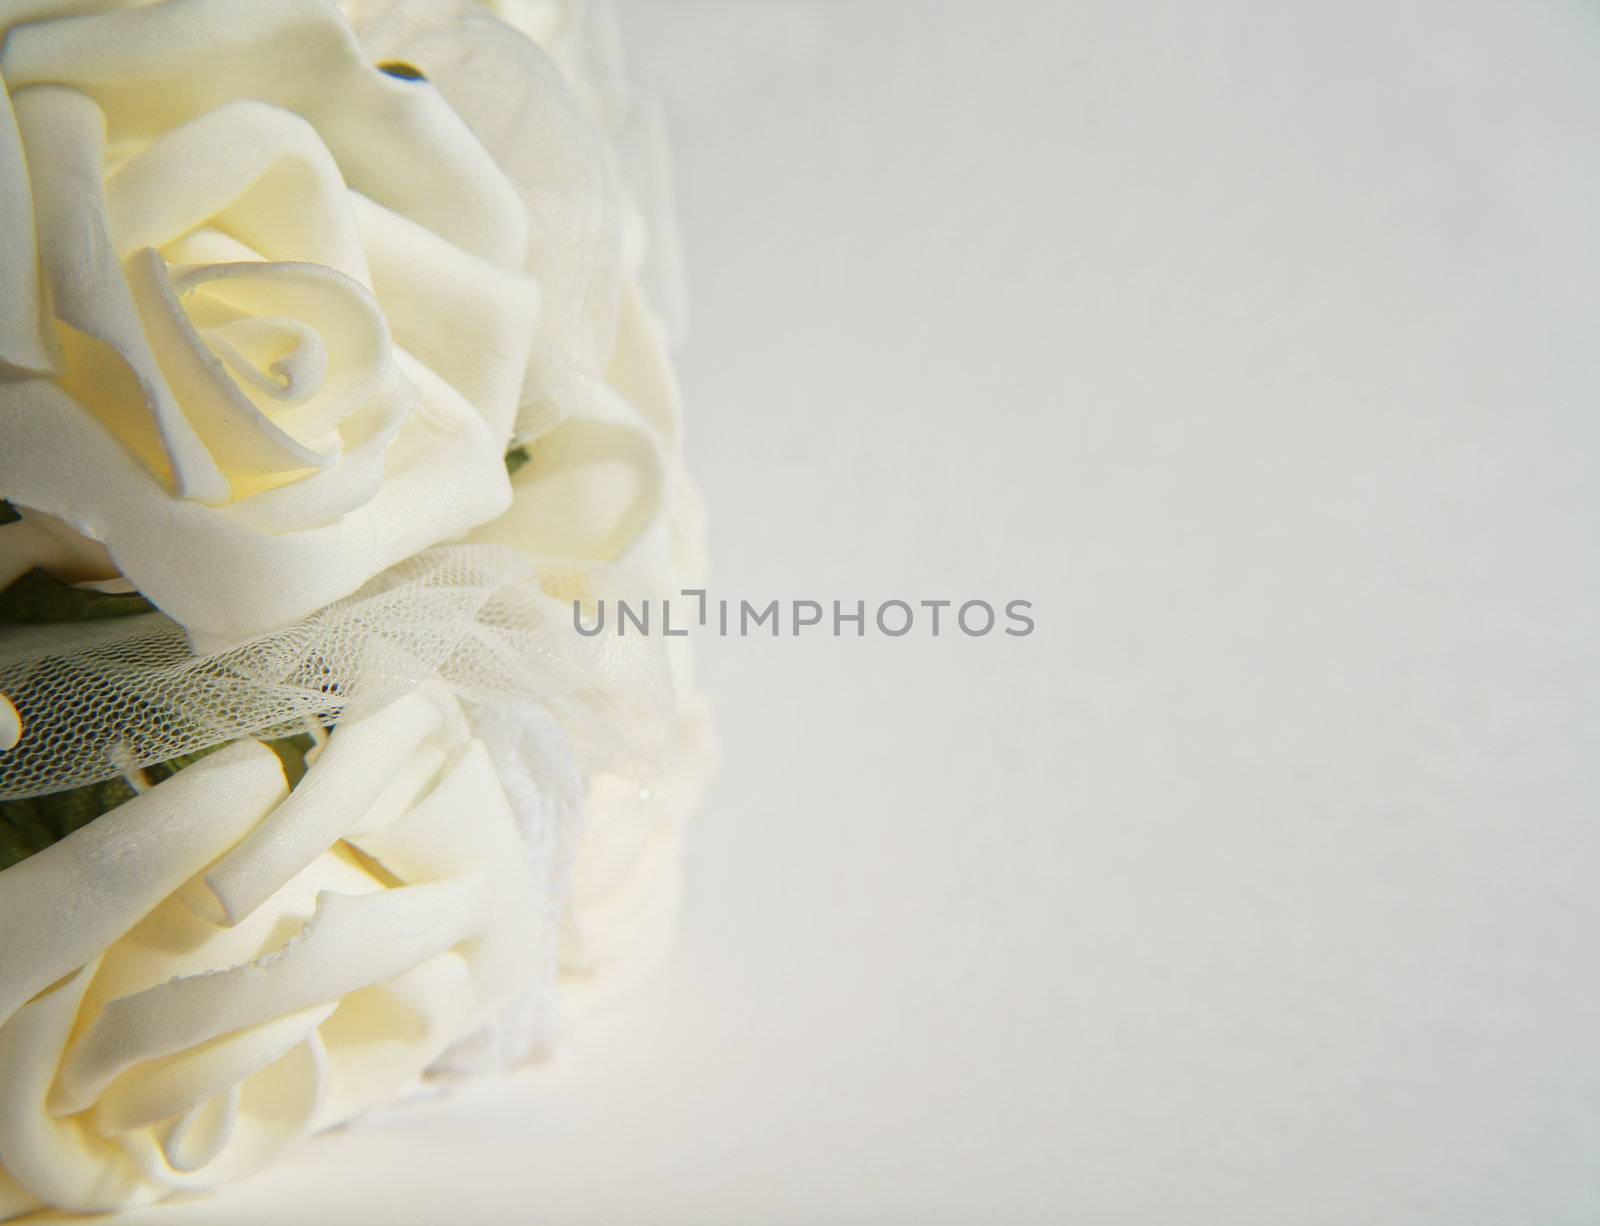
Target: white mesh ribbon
{"x": 96, "y": 699}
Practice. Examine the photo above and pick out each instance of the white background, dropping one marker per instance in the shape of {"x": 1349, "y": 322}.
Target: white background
{"x": 1256, "y": 343}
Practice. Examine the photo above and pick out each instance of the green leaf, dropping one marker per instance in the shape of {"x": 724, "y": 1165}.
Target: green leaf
{"x": 38, "y": 597}
{"x": 292, "y": 751}
{"x": 34, "y": 823}
{"x": 8, "y": 513}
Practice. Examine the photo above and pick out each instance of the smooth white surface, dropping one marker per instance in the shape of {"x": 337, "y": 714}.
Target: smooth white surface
{"x": 1256, "y": 343}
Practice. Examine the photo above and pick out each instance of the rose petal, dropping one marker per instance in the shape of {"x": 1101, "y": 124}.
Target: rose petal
{"x": 349, "y": 944}
{"x": 514, "y": 99}
{"x": 61, "y": 907}
{"x": 59, "y": 1161}
{"x": 26, "y": 340}
{"x": 239, "y": 436}
{"x": 349, "y": 774}
{"x": 641, "y": 372}
{"x": 274, "y": 1108}
{"x": 340, "y": 310}
{"x": 591, "y": 486}
{"x": 215, "y": 571}
{"x": 382, "y": 1038}
{"x": 201, "y": 1132}
{"x": 468, "y": 320}
{"x": 397, "y": 141}
{"x": 15, "y": 1200}
{"x": 110, "y": 367}
{"x": 256, "y": 171}
{"x": 350, "y": 481}
{"x": 464, "y": 825}
{"x": 161, "y": 1089}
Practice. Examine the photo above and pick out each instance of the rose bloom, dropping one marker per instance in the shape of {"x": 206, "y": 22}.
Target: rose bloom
{"x": 605, "y": 503}
{"x": 211, "y": 971}
{"x": 269, "y": 313}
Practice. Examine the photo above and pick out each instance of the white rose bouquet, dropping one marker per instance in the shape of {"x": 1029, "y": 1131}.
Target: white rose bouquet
{"x": 331, "y": 376}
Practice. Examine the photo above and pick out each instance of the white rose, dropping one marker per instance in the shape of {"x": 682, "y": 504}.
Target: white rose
{"x": 606, "y": 508}
{"x": 627, "y": 875}
{"x": 268, "y": 313}
{"x": 213, "y": 970}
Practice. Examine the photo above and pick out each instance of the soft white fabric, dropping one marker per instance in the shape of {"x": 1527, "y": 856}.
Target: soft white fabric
{"x": 152, "y": 1040}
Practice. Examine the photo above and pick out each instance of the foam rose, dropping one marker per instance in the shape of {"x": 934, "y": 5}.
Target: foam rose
{"x": 269, "y": 312}
{"x": 219, "y": 967}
